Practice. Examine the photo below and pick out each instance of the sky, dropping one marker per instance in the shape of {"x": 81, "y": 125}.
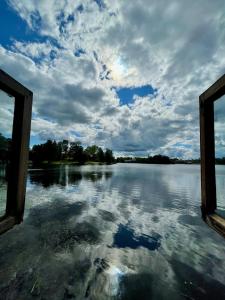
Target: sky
{"x": 120, "y": 74}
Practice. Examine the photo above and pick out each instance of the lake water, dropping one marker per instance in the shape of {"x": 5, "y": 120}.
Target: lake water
{"x": 125, "y": 231}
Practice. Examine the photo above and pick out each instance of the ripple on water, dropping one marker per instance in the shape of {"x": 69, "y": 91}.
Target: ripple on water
{"x": 89, "y": 242}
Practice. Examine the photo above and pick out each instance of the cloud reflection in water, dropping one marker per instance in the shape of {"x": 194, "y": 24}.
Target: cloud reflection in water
{"x": 73, "y": 214}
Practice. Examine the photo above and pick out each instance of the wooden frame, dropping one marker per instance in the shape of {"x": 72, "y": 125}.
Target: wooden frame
{"x": 207, "y": 147}
{"x": 20, "y": 150}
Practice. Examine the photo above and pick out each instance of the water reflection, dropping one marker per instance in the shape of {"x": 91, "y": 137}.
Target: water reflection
{"x": 135, "y": 233}
{"x": 64, "y": 175}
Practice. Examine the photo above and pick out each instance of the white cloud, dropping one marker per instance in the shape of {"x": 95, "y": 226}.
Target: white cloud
{"x": 176, "y": 47}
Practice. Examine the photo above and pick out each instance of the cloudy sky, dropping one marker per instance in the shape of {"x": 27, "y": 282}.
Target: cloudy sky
{"x": 121, "y": 74}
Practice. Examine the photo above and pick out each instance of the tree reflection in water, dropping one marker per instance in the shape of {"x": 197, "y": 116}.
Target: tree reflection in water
{"x": 64, "y": 175}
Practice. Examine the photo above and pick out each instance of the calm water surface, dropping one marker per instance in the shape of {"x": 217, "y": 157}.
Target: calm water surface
{"x": 125, "y": 231}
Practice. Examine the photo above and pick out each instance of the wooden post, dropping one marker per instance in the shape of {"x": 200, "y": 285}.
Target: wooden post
{"x": 207, "y": 148}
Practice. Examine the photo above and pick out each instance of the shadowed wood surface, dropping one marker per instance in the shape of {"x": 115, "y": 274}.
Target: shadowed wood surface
{"x": 7, "y": 223}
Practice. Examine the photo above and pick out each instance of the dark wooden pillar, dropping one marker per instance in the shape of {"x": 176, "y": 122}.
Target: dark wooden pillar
{"x": 207, "y": 148}
{"x": 19, "y": 160}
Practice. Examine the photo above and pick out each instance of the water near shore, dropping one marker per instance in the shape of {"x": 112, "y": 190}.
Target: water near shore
{"x": 125, "y": 231}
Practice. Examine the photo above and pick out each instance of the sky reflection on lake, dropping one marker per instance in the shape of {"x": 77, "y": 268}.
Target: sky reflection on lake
{"x": 125, "y": 231}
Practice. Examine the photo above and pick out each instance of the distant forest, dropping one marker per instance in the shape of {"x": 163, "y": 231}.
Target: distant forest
{"x": 53, "y": 151}
{"x": 157, "y": 159}
{"x": 74, "y": 152}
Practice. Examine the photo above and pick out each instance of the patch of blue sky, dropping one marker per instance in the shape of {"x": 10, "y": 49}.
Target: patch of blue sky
{"x": 183, "y": 145}
{"x": 64, "y": 21}
{"x": 168, "y": 103}
{"x": 12, "y": 26}
{"x": 127, "y": 95}
{"x": 7, "y": 135}
{"x": 71, "y": 18}
{"x": 178, "y": 154}
{"x": 76, "y": 133}
{"x": 80, "y": 8}
{"x": 34, "y": 115}
{"x": 96, "y": 126}
{"x": 219, "y": 152}
{"x": 34, "y": 140}
{"x": 112, "y": 14}
{"x": 100, "y": 4}
{"x": 95, "y": 56}
{"x": 15, "y": 28}
{"x": 36, "y": 20}
{"x": 53, "y": 54}
{"x": 79, "y": 52}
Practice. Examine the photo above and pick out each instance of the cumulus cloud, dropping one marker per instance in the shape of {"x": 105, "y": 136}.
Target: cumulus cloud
{"x": 86, "y": 49}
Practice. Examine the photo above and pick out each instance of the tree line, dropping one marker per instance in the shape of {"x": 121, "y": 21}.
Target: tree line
{"x": 156, "y": 159}
{"x": 162, "y": 159}
{"x": 74, "y": 151}
{"x": 5, "y": 149}
{"x": 69, "y": 151}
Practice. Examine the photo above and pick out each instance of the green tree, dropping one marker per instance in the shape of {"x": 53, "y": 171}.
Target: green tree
{"x": 91, "y": 152}
{"x": 109, "y": 156}
{"x": 76, "y": 152}
{"x": 100, "y": 155}
{"x": 65, "y": 148}
{"x": 49, "y": 151}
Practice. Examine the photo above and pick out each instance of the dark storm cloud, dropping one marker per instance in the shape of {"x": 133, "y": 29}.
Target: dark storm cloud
{"x": 72, "y": 103}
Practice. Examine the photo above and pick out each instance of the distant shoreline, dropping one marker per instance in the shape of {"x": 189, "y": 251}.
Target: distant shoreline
{"x": 76, "y": 163}
{"x": 58, "y": 163}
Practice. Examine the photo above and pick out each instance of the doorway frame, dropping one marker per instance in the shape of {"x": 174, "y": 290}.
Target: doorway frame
{"x": 16, "y": 189}
{"x": 207, "y": 151}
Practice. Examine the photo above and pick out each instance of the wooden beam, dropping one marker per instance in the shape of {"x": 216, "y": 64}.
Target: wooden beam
{"x": 215, "y": 91}
{"x": 11, "y": 86}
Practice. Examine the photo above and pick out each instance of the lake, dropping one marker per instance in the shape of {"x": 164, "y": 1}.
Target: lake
{"x": 124, "y": 231}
